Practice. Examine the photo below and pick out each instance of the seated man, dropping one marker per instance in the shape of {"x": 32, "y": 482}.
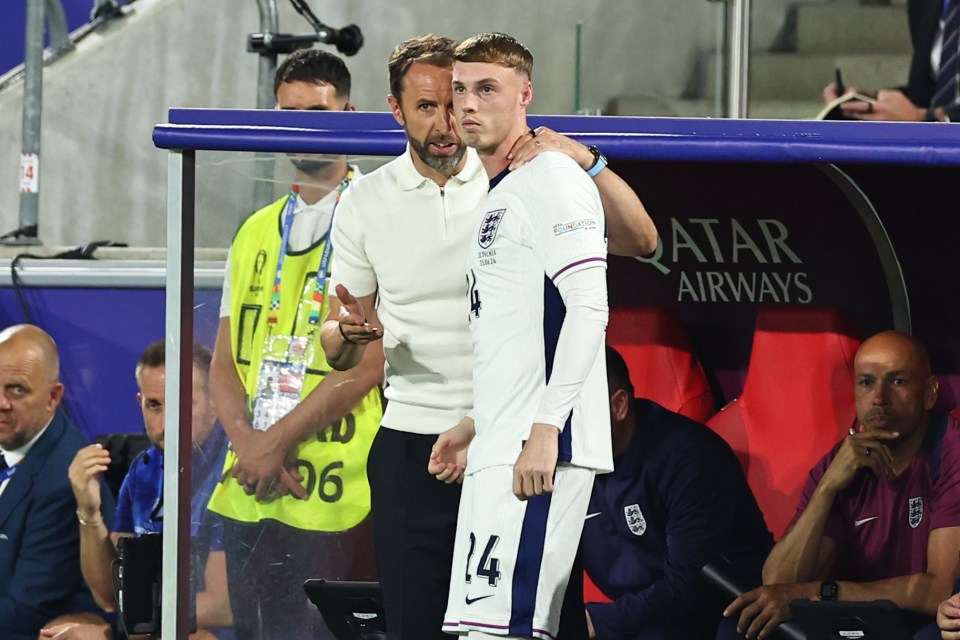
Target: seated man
{"x": 676, "y": 500}
{"x": 140, "y": 504}
{"x": 879, "y": 517}
{"x": 931, "y": 90}
{"x": 39, "y": 549}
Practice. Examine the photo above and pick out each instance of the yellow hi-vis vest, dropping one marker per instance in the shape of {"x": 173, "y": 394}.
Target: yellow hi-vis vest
{"x": 334, "y": 461}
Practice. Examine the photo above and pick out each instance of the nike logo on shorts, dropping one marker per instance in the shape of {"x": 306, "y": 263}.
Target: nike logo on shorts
{"x": 857, "y": 523}
{"x": 470, "y": 600}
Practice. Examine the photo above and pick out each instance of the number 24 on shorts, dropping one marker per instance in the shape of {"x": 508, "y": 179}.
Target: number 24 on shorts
{"x": 488, "y": 567}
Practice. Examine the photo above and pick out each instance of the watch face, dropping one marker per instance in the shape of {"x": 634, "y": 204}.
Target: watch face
{"x": 828, "y": 591}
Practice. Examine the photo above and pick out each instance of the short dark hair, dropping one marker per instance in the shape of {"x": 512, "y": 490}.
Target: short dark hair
{"x": 434, "y": 50}
{"x": 155, "y": 355}
{"x": 496, "y": 48}
{"x": 618, "y": 375}
{"x": 315, "y": 66}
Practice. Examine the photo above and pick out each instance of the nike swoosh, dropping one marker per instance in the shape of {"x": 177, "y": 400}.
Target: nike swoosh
{"x": 592, "y": 515}
{"x": 470, "y": 600}
{"x": 857, "y": 523}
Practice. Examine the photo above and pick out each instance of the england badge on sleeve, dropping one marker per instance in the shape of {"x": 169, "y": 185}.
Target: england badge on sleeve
{"x": 635, "y": 520}
{"x": 488, "y": 229}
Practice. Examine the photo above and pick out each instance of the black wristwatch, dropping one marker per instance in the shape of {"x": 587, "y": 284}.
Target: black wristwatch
{"x": 828, "y": 591}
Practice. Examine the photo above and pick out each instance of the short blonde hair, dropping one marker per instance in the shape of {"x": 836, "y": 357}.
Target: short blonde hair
{"x": 496, "y": 48}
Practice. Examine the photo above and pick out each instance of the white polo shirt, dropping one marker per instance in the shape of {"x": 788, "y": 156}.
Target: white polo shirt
{"x": 400, "y": 235}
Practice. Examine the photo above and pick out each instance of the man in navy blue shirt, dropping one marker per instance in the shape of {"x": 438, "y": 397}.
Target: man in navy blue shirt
{"x": 677, "y": 500}
{"x": 140, "y": 502}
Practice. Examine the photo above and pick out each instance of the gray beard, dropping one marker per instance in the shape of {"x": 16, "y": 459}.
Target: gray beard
{"x": 445, "y": 165}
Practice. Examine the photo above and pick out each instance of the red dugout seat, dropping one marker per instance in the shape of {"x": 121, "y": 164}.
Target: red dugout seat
{"x": 797, "y": 402}
{"x": 660, "y": 357}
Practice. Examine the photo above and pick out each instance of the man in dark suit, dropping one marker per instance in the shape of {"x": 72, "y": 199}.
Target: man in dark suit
{"x": 39, "y": 542}
{"x": 913, "y": 101}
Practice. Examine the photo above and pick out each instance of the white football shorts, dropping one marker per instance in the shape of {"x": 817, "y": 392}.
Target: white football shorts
{"x": 512, "y": 558}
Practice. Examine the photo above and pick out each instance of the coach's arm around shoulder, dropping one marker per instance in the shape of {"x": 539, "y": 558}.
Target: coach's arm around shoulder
{"x": 630, "y": 230}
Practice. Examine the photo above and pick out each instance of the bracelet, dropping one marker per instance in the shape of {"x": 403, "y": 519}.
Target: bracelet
{"x": 84, "y": 523}
{"x": 340, "y": 326}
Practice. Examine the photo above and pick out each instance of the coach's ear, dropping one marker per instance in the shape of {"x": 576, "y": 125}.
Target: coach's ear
{"x": 395, "y": 109}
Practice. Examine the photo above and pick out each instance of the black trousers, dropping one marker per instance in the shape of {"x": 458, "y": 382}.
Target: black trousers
{"x": 414, "y": 528}
{"x": 267, "y": 564}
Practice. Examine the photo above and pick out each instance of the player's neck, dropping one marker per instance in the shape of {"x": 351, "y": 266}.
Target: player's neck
{"x": 495, "y": 159}
{"x": 313, "y": 187}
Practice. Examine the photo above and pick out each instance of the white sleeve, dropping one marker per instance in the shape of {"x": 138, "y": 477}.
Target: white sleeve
{"x": 567, "y": 220}
{"x": 225, "y": 295}
{"x": 351, "y": 268}
{"x": 584, "y": 293}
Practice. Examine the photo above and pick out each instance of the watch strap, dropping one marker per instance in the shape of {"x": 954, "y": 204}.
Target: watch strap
{"x": 599, "y": 162}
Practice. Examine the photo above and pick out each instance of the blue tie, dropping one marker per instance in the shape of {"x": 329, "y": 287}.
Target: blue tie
{"x": 945, "y": 89}
{"x": 3, "y": 462}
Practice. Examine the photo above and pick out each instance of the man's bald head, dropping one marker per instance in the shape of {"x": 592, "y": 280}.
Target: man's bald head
{"x": 900, "y": 343}
{"x": 34, "y": 337}
{"x": 30, "y": 391}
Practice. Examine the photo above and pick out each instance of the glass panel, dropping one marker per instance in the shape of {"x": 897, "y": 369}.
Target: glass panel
{"x": 258, "y": 545}
{"x": 796, "y": 49}
{"x": 656, "y": 59}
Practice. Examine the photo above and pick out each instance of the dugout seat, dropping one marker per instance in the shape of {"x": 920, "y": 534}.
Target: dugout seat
{"x": 660, "y": 357}
{"x": 123, "y": 448}
{"x": 797, "y": 402}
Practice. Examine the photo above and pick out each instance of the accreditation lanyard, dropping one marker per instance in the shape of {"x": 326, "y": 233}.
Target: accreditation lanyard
{"x": 320, "y": 283}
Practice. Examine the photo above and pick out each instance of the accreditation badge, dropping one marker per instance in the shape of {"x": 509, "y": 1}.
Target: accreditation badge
{"x": 282, "y": 374}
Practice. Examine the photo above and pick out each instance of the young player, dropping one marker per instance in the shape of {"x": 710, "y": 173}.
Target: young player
{"x": 536, "y": 281}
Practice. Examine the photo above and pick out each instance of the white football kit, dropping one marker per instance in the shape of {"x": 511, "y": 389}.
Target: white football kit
{"x": 542, "y": 224}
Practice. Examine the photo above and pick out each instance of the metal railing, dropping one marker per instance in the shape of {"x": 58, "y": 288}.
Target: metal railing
{"x": 52, "y": 13}
{"x": 735, "y": 49}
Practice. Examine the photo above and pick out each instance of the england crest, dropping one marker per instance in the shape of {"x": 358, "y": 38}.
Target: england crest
{"x": 488, "y": 229}
{"x": 638, "y": 526}
{"x": 916, "y": 512}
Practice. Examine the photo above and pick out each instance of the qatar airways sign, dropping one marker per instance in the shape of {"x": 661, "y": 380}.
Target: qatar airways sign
{"x": 738, "y": 237}
{"x": 709, "y": 255}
